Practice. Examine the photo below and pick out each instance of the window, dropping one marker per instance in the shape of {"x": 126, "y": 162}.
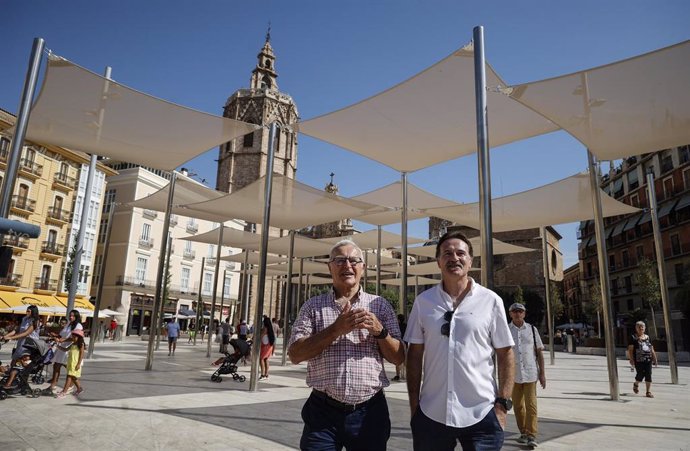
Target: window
{"x": 226, "y": 286}
{"x": 635, "y": 200}
{"x": 640, "y": 252}
{"x": 614, "y": 286}
{"x": 680, "y": 276}
{"x": 4, "y": 146}
{"x": 188, "y": 246}
{"x": 633, "y": 182}
{"x": 184, "y": 278}
{"x": 248, "y": 140}
{"x": 675, "y": 245}
{"x": 145, "y": 232}
{"x": 628, "y": 284}
{"x": 140, "y": 272}
{"x": 102, "y": 230}
{"x": 109, "y": 200}
{"x": 626, "y": 259}
{"x": 668, "y": 187}
{"x": 52, "y": 237}
{"x": 666, "y": 162}
{"x": 97, "y": 262}
{"x": 612, "y": 262}
{"x": 208, "y": 283}
{"x": 684, "y": 154}
{"x": 589, "y": 269}
{"x": 211, "y": 251}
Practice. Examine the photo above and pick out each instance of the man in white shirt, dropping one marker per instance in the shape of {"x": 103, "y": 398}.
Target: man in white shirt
{"x": 529, "y": 366}
{"x": 453, "y": 331}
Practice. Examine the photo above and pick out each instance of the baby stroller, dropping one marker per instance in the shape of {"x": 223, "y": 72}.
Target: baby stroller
{"x": 229, "y": 362}
{"x": 39, "y": 353}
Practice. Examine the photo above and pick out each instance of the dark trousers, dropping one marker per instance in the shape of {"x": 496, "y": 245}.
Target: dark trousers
{"x": 430, "y": 435}
{"x": 644, "y": 371}
{"x": 327, "y": 427}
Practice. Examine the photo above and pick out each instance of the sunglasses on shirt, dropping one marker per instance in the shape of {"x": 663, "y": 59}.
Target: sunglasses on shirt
{"x": 445, "y": 327}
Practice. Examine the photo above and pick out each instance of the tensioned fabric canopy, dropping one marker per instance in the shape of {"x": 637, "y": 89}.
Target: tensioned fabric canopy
{"x": 625, "y": 108}
{"x": 567, "y": 200}
{"x": 253, "y": 258}
{"x": 231, "y": 237}
{"x": 312, "y": 280}
{"x": 391, "y": 196}
{"x": 80, "y": 110}
{"x": 428, "y": 119}
{"x": 411, "y": 281}
{"x": 500, "y": 248}
{"x": 293, "y": 204}
{"x": 187, "y": 191}
{"x": 369, "y": 239}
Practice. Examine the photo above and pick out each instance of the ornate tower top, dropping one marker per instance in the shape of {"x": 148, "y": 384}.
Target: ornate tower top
{"x": 264, "y": 75}
{"x": 331, "y": 187}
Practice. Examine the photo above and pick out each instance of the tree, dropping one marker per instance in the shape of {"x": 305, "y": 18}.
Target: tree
{"x": 593, "y": 307}
{"x": 69, "y": 267}
{"x": 557, "y": 306}
{"x": 648, "y": 283}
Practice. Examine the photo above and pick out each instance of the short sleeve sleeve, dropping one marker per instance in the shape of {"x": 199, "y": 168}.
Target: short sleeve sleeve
{"x": 304, "y": 324}
{"x": 388, "y": 318}
{"x": 539, "y": 344}
{"x": 414, "y": 334}
{"x": 500, "y": 333}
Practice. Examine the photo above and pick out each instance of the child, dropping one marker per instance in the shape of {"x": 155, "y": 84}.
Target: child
{"x": 75, "y": 358}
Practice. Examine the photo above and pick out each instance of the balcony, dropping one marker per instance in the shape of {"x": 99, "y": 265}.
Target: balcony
{"x": 173, "y": 220}
{"x": 11, "y": 281}
{"x": 4, "y": 153}
{"x": 30, "y": 169}
{"x": 23, "y": 204}
{"x": 64, "y": 182}
{"x": 52, "y": 248}
{"x": 16, "y": 241}
{"x": 146, "y": 243}
{"x": 210, "y": 261}
{"x": 58, "y": 215}
{"x": 130, "y": 281}
{"x": 189, "y": 254}
{"x": 42, "y": 284}
{"x": 150, "y": 214}
{"x": 230, "y": 266}
{"x": 192, "y": 227}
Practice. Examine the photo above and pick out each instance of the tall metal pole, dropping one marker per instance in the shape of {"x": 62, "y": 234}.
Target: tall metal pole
{"x": 483, "y": 161}
{"x": 298, "y": 302}
{"x": 378, "y": 261}
{"x": 222, "y": 295}
{"x": 403, "y": 287}
{"x": 101, "y": 275}
{"x": 216, "y": 275}
{"x": 265, "y": 225}
{"x": 200, "y": 302}
{"x": 20, "y": 127}
{"x": 287, "y": 308}
{"x": 660, "y": 262}
{"x": 247, "y": 284}
{"x": 161, "y": 310}
{"x": 154, "y": 329}
{"x": 547, "y": 292}
{"x": 366, "y": 270}
{"x": 609, "y": 336}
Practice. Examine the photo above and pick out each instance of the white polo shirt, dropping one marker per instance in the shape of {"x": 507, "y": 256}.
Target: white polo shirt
{"x": 526, "y": 369}
{"x": 458, "y": 387}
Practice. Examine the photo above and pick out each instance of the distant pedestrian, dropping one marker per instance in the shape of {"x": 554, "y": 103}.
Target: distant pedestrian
{"x": 192, "y": 332}
{"x": 529, "y": 367}
{"x": 173, "y": 328}
{"x": 242, "y": 330}
{"x": 113, "y": 328}
{"x": 276, "y": 327}
{"x": 642, "y": 356}
{"x": 268, "y": 340}
{"x": 75, "y": 358}
{"x": 225, "y": 332}
{"x": 27, "y": 328}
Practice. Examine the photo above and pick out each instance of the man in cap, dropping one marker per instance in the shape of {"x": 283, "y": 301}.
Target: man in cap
{"x": 345, "y": 334}
{"x": 529, "y": 366}
{"x": 173, "y": 328}
{"x": 453, "y": 331}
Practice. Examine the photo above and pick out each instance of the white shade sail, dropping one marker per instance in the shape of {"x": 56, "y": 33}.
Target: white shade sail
{"x": 253, "y": 258}
{"x": 428, "y": 119}
{"x": 567, "y": 200}
{"x": 186, "y": 191}
{"x": 627, "y": 108}
{"x": 293, "y": 204}
{"x": 411, "y": 281}
{"x": 385, "y": 260}
{"x": 231, "y": 238}
{"x": 312, "y": 280}
{"x": 80, "y": 110}
{"x": 369, "y": 239}
{"x": 391, "y": 196}
{"x": 499, "y": 246}
{"x": 424, "y": 269}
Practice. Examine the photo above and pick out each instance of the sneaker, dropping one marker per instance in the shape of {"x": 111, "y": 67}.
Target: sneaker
{"x": 532, "y": 442}
{"x": 61, "y": 395}
{"x": 522, "y": 438}
{"x": 78, "y": 392}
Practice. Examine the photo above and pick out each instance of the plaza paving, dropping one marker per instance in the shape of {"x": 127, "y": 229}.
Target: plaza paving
{"x": 177, "y": 407}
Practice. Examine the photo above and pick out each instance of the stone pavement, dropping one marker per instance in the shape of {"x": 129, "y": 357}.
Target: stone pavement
{"x": 177, "y": 407}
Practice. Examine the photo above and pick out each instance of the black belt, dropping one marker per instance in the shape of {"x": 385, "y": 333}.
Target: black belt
{"x": 343, "y": 406}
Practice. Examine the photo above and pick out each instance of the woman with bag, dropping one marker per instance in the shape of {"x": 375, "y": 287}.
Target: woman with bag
{"x": 642, "y": 357}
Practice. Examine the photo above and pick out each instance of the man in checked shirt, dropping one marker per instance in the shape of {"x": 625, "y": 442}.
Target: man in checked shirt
{"x": 344, "y": 335}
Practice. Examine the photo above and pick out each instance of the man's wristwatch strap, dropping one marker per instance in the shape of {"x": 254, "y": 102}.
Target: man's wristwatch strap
{"x": 506, "y": 403}
{"x": 382, "y": 334}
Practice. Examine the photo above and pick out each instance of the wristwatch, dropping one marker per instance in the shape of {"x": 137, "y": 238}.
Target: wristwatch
{"x": 506, "y": 403}
{"x": 382, "y": 334}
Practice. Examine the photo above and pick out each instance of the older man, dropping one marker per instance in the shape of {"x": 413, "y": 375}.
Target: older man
{"x": 344, "y": 335}
{"x": 453, "y": 331}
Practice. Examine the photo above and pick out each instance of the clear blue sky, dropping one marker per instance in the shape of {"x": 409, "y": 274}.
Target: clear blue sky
{"x": 331, "y": 54}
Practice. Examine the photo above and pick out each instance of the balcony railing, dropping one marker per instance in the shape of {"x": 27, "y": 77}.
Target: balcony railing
{"x": 63, "y": 179}
{"x": 16, "y": 241}
{"x": 192, "y": 227}
{"x": 210, "y": 261}
{"x": 45, "y": 284}
{"x": 31, "y": 168}
{"x": 146, "y": 242}
{"x": 58, "y": 214}
{"x": 189, "y": 254}
{"x": 51, "y": 247}
{"x": 3, "y": 154}
{"x": 23, "y": 203}
{"x": 12, "y": 280}
{"x": 135, "y": 282}
{"x": 173, "y": 220}
{"x": 230, "y": 266}
{"x": 151, "y": 214}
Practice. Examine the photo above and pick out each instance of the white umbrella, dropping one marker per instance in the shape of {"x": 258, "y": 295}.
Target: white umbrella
{"x": 107, "y": 311}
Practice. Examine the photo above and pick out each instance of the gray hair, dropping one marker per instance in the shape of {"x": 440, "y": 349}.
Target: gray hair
{"x": 640, "y": 323}
{"x": 343, "y": 243}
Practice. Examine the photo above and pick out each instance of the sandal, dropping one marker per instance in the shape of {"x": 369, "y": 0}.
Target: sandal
{"x": 649, "y": 394}
{"x": 636, "y": 390}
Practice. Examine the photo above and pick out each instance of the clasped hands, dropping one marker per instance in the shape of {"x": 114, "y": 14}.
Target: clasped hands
{"x": 357, "y": 318}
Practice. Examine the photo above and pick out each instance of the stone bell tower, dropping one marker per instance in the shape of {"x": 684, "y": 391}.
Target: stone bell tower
{"x": 243, "y": 160}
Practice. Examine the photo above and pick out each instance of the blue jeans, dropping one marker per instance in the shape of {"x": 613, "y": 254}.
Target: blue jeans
{"x": 328, "y": 428}
{"x": 429, "y": 435}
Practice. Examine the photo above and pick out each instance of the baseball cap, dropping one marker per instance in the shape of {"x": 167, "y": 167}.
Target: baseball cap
{"x": 517, "y": 306}
{"x": 78, "y": 332}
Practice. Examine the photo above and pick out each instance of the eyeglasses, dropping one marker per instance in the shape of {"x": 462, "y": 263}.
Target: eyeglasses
{"x": 342, "y": 261}
{"x": 445, "y": 328}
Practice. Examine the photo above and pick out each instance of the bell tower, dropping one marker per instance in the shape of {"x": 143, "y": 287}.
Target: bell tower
{"x": 243, "y": 160}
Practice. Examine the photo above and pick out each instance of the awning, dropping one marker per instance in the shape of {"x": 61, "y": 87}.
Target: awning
{"x": 646, "y": 217}
{"x": 79, "y": 303}
{"x": 683, "y": 202}
{"x": 187, "y": 312}
{"x": 587, "y": 242}
{"x": 10, "y": 299}
{"x": 632, "y": 222}
{"x": 666, "y": 208}
{"x": 618, "y": 228}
